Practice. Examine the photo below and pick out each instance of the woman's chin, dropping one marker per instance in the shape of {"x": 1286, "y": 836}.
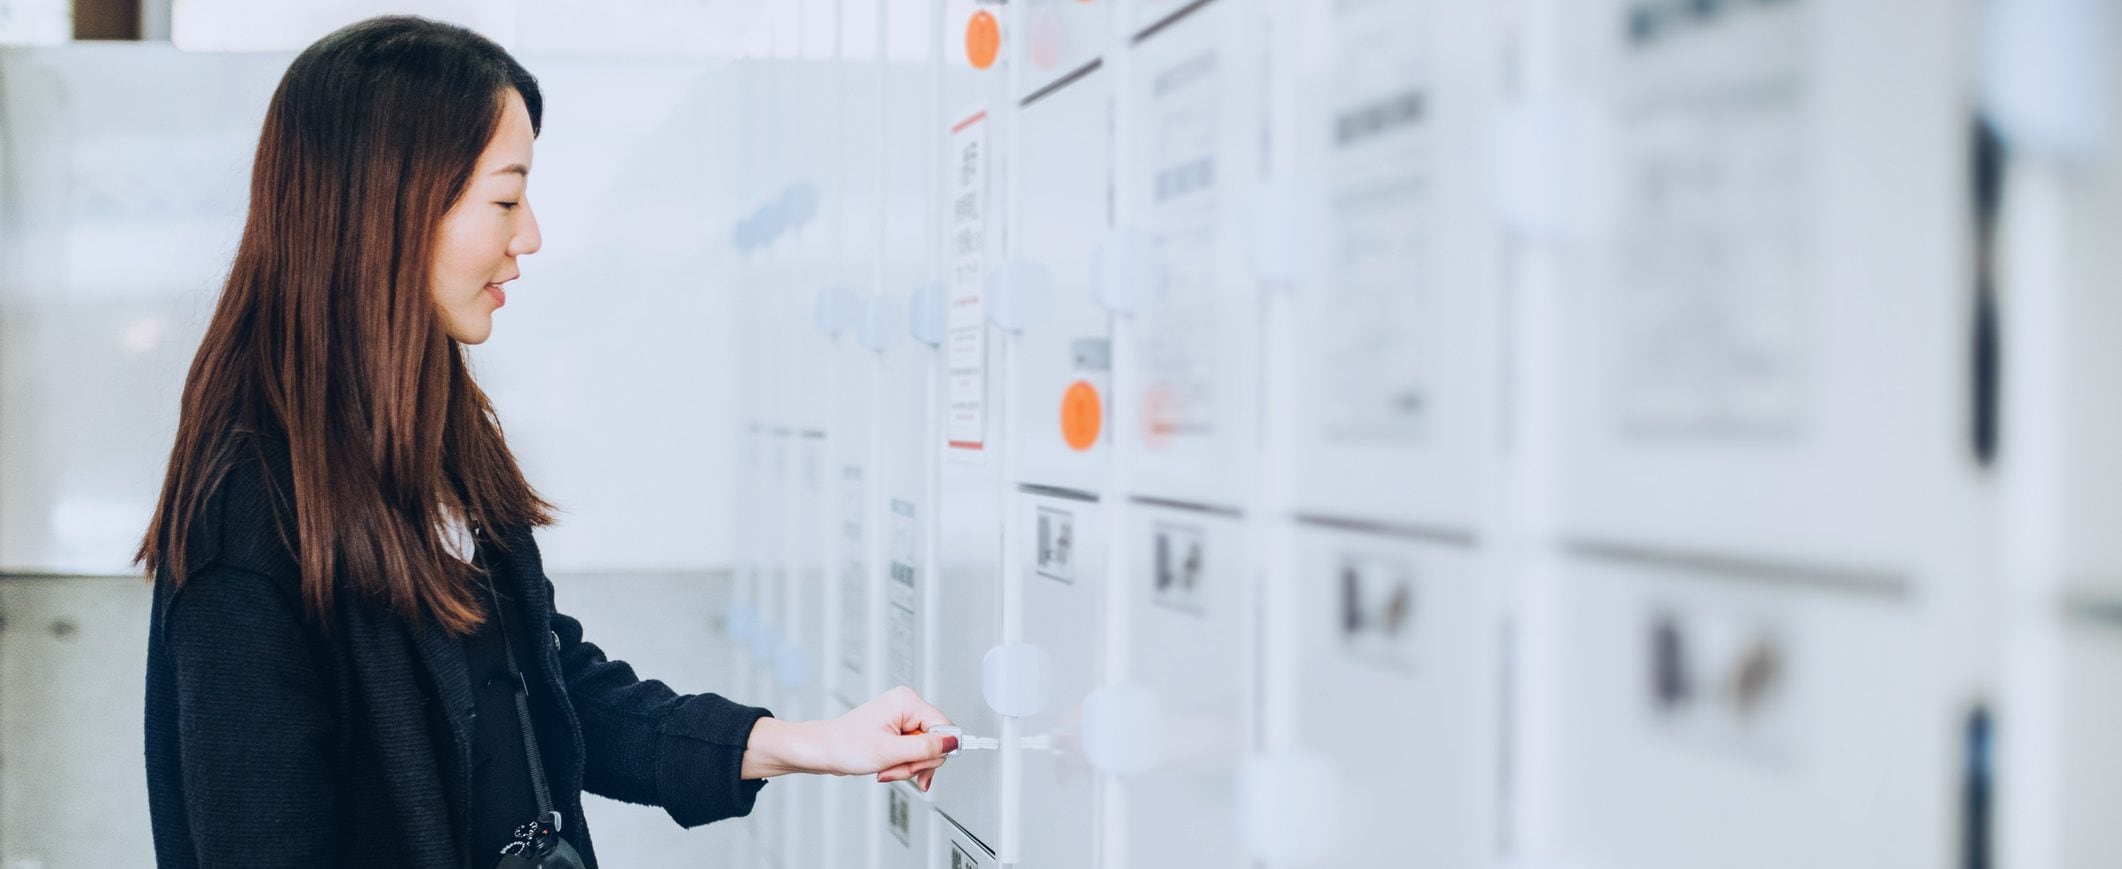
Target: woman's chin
{"x": 472, "y": 330}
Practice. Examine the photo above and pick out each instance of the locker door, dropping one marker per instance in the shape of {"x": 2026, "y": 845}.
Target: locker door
{"x": 858, "y": 805}
{"x": 1769, "y": 502}
{"x": 1768, "y": 299}
{"x": 857, "y": 366}
{"x": 1060, "y": 565}
{"x": 1398, "y": 336}
{"x": 908, "y": 400}
{"x": 1190, "y": 159}
{"x": 1188, "y": 621}
{"x": 1712, "y": 718}
{"x": 1390, "y": 662}
{"x": 1061, "y": 372}
{"x": 954, "y": 848}
{"x": 904, "y": 844}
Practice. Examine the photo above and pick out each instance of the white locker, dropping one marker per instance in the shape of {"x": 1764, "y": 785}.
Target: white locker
{"x": 1187, "y": 641}
{"x": 1059, "y": 38}
{"x": 1060, "y": 566}
{"x": 857, "y": 371}
{"x": 909, "y": 514}
{"x": 966, "y": 623}
{"x": 908, "y": 409}
{"x": 1395, "y": 376}
{"x": 1764, "y": 414}
{"x": 808, "y": 412}
{"x": 904, "y": 844}
{"x": 799, "y": 690}
{"x": 1769, "y": 296}
{"x": 801, "y": 667}
{"x": 953, "y": 848}
{"x": 1061, "y": 380}
{"x": 769, "y": 635}
{"x": 858, "y": 611}
{"x": 1188, "y": 165}
{"x": 967, "y": 619}
{"x": 857, "y": 818}
{"x": 806, "y": 595}
{"x": 1384, "y": 667}
{"x": 2083, "y": 755}
{"x": 758, "y": 544}
{"x": 1748, "y": 721}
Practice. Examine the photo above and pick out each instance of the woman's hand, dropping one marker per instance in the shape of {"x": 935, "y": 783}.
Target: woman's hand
{"x": 887, "y": 736}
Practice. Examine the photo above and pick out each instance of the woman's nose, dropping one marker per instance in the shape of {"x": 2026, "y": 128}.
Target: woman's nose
{"x": 527, "y": 240}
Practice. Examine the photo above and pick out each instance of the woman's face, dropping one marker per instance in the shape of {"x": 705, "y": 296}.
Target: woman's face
{"x": 485, "y": 231}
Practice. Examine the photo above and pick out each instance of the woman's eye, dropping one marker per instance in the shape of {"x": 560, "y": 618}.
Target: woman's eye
{"x": 507, "y": 205}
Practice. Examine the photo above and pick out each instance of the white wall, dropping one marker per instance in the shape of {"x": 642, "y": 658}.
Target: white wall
{"x": 124, "y": 185}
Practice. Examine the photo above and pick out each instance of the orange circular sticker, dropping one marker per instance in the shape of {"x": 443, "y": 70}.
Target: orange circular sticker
{"x": 1081, "y": 416}
{"x": 983, "y": 39}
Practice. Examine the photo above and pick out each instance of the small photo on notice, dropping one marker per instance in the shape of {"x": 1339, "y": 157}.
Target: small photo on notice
{"x": 1057, "y": 544}
{"x": 1377, "y": 613}
{"x": 1176, "y": 575}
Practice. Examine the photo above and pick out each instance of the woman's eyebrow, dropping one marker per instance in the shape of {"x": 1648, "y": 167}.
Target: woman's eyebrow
{"x": 517, "y": 168}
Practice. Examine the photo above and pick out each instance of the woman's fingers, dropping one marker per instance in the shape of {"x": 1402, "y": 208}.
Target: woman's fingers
{"x": 909, "y": 769}
{"x": 917, "y": 747}
{"x": 915, "y": 713}
{"x": 922, "y": 772}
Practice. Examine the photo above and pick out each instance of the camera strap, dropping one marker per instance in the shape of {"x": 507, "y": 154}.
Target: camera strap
{"x": 548, "y": 821}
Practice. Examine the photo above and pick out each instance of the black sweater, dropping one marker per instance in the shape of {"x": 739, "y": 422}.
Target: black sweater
{"x": 503, "y": 797}
{"x": 271, "y": 742}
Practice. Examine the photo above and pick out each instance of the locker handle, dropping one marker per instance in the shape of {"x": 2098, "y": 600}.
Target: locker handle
{"x": 925, "y": 314}
{"x": 1013, "y": 679}
{"x": 2043, "y": 74}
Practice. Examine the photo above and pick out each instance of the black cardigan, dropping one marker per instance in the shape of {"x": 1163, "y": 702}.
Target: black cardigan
{"x": 273, "y": 743}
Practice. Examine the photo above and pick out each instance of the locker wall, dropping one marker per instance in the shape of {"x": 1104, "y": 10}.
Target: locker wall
{"x": 1418, "y": 433}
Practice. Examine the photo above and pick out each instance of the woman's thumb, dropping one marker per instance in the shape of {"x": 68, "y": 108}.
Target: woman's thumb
{"x": 916, "y": 747}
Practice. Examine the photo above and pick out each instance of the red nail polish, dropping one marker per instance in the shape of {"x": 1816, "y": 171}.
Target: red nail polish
{"x": 950, "y": 744}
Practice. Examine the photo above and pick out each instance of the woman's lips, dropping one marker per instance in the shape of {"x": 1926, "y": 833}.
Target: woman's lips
{"x": 500, "y": 295}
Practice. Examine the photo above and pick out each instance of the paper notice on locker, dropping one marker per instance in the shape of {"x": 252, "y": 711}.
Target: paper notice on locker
{"x": 966, "y": 255}
{"x": 1180, "y": 341}
{"x": 1709, "y": 266}
{"x": 1385, "y": 289}
{"x": 902, "y": 638}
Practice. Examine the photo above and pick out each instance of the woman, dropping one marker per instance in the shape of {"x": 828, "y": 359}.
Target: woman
{"x": 346, "y": 583}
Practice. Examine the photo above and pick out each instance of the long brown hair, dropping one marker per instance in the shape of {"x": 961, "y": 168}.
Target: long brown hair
{"x": 327, "y": 336}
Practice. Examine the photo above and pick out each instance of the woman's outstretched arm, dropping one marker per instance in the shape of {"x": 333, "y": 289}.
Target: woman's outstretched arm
{"x": 645, "y": 743}
{"x": 703, "y": 757}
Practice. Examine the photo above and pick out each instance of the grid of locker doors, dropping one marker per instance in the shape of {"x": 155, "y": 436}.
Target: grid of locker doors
{"x": 1169, "y": 391}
